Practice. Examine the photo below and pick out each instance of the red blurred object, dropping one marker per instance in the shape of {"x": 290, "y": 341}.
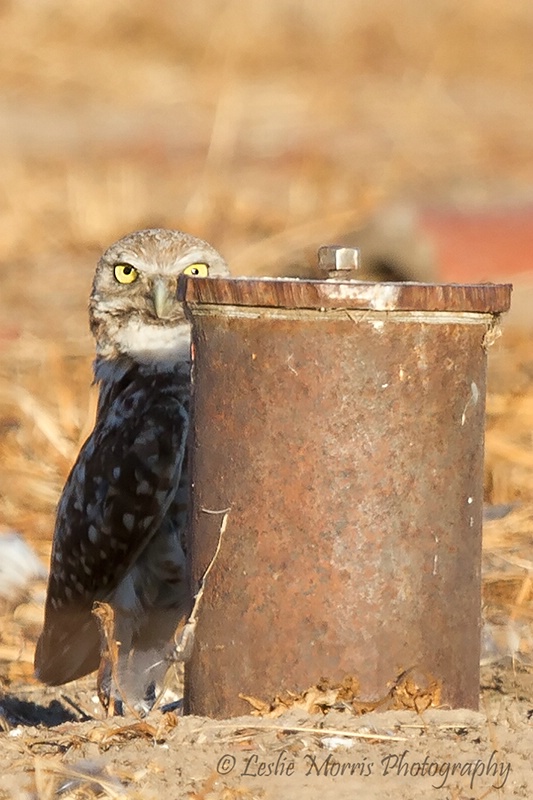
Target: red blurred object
{"x": 476, "y": 246}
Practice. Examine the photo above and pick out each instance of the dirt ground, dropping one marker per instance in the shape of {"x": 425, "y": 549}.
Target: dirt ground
{"x": 403, "y": 754}
{"x": 268, "y": 128}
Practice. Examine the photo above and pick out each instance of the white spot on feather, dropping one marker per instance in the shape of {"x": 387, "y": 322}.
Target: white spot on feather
{"x": 129, "y": 521}
{"x": 161, "y": 496}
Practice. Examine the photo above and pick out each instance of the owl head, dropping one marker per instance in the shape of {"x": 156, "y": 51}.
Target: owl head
{"x": 133, "y": 308}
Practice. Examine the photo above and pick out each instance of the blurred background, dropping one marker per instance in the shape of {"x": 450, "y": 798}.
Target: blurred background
{"x": 269, "y": 128}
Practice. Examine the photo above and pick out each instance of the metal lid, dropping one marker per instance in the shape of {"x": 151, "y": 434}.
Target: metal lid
{"x": 485, "y": 298}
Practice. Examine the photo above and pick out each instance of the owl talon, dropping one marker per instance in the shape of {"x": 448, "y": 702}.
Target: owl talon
{"x": 112, "y": 701}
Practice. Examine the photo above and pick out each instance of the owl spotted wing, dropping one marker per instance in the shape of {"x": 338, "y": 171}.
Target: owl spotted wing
{"x": 115, "y": 498}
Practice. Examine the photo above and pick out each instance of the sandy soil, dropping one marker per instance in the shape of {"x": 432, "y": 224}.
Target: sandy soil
{"x": 452, "y": 755}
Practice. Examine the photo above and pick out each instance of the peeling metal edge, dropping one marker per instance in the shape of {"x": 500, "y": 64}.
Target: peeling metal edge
{"x": 356, "y": 315}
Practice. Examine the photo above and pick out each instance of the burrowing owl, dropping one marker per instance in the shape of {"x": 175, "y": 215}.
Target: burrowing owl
{"x": 119, "y": 529}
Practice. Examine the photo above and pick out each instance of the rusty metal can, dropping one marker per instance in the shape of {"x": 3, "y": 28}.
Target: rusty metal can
{"x": 339, "y": 426}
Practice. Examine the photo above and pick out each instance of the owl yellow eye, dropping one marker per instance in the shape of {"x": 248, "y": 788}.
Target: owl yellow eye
{"x": 198, "y": 270}
{"x": 124, "y": 273}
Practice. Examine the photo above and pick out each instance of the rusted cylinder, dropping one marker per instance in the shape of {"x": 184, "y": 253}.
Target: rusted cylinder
{"x": 341, "y": 424}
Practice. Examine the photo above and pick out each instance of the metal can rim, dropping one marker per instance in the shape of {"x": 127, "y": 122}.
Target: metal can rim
{"x": 489, "y": 298}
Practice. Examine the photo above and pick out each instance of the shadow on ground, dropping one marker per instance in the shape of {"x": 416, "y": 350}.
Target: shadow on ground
{"x": 14, "y": 711}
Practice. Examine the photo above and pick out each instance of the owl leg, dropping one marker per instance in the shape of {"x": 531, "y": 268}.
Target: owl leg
{"x": 145, "y": 610}
{"x": 161, "y": 590}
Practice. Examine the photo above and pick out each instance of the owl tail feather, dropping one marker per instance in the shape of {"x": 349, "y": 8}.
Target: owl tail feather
{"x": 67, "y": 649}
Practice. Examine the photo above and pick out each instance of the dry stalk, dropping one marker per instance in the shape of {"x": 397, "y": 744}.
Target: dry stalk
{"x": 105, "y": 616}
{"x": 382, "y": 737}
{"x": 185, "y": 643}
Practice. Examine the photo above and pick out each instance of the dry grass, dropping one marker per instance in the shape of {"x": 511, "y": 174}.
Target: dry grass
{"x": 267, "y": 127}
{"x": 242, "y": 122}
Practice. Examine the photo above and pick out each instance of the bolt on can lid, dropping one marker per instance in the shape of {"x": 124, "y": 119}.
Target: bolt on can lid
{"x": 342, "y": 291}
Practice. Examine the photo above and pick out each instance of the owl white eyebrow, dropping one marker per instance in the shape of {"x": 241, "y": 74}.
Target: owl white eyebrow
{"x": 193, "y": 257}
{"x": 127, "y": 261}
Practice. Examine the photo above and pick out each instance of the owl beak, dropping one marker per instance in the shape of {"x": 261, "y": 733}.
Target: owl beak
{"x": 163, "y": 302}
